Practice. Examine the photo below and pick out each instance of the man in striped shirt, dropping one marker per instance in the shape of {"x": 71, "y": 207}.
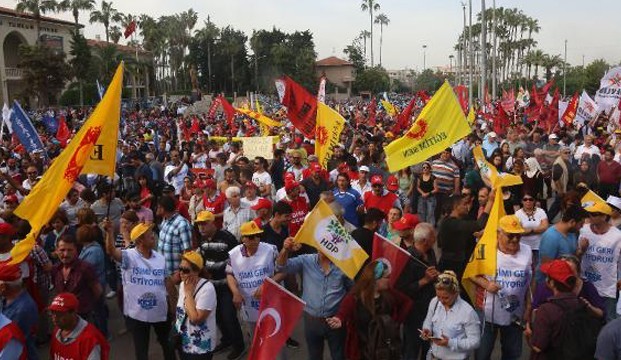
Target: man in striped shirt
{"x": 447, "y": 177}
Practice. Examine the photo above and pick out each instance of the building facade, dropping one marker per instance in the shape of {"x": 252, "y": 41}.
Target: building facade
{"x": 338, "y": 71}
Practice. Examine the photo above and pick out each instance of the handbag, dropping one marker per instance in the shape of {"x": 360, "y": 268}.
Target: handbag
{"x": 175, "y": 336}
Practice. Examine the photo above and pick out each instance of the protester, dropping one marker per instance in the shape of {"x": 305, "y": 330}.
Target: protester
{"x": 175, "y": 235}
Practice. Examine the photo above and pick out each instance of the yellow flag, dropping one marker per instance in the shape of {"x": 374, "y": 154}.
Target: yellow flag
{"x": 490, "y": 175}
{"x": 324, "y": 232}
{"x": 483, "y": 258}
{"x": 441, "y": 123}
{"x": 390, "y": 108}
{"x": 259, "y": 117}
{"x": 471, "y": 116}
{"x": 258, "y": 106}
{"x": 328, "y": 130}
{"x": 590, "y": 198}
{"x": 44, "y": 199}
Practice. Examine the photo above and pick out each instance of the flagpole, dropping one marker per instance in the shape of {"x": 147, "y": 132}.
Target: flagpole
{"x": 470, "y": 55}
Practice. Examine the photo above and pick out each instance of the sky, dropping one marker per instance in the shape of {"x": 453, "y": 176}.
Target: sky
{"x": 591, "y": 28}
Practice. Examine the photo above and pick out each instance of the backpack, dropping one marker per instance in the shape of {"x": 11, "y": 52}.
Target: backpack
{"x": 383, "y": 342}
{"x": 578, "y": 333}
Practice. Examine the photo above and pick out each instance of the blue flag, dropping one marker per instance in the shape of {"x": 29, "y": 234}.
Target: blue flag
{"x": 26, "y": 133}
{"x": 50, "y": 122}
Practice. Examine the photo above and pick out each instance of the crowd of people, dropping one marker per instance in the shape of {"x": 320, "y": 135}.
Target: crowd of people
{"x": 184, "y": 237}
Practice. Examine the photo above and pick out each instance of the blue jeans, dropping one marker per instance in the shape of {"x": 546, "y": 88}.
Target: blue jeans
{"x": 316, "y": 332}
{"x": 510, "y": 342}
{"x": 427, "y": 209}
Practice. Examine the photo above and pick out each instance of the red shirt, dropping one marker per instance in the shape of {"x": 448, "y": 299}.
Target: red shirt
{"x": 215, "y": 206}
{"x": 300, "y": 209}
{"x": 384, "y": 202}
{"x": 609, "y": 173}
{"x": 81, "y": 347}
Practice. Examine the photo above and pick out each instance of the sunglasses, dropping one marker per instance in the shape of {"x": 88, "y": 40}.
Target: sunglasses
{"x": 528, "y": 199}
{"x": 184, "y": 270}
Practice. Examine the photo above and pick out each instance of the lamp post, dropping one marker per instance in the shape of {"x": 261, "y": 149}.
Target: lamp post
{"x": 451, "y": 64}
{"x": 565, "y": 71}
{"x": 424, "y": 57}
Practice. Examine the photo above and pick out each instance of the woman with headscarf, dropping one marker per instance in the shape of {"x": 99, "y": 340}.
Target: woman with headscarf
{"x": 532, "y": 178}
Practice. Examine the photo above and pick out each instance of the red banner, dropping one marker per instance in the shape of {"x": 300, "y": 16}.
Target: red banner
{"x": 570, "y": 112}
{"x": 508, "y": 101}
{"x": 228, "y": 109}
{"x": 278, "y": 314}
{"x": 301, "y": 107}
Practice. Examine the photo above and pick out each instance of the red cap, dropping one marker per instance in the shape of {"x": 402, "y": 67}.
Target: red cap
{"x": 392, "y": 183}
{"x": 199, "y": 184}
{"x": 64, "y": 302}
{"x": 250, "y": 184}
{"x": 210, "y": 184}
{"x": 558, "y": 270}
{"x": 314, "y": 167}
{"x": 377, "y": 179}
{"x": 10, "y": 272}
{"x": 6, "y": 229}
{"x": 290, "y": 185}
{"x": 262, "y": 204}
{"x": 11, "y": 198}
{"x": 289, "y": 176}
{"x": 407, "y": 222}
{"x": 343, "y": 167}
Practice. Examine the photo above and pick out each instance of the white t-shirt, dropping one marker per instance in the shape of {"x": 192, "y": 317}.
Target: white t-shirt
{"x": 176, "y": 180}
{"x": 531, "y": 223}
{"x": 601, "y": 259}
{"x": 144, "y": 290}
{"x": 261, "y": 179}
{"x": 199, "y": 161}
{"x": 201, "y": 338}
{"x": 513, "y": 276}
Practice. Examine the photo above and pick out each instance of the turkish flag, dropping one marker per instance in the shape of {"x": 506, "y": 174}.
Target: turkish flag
{"x": 279, "y": 312}
{"x": 301, "y": 107}
{"x": 372, "y": 110}
{"x": 129, "y": 30}
{"x": 403, "y": 120}
{"x": 63, "y": 133}
{"x": 396, "y": 257}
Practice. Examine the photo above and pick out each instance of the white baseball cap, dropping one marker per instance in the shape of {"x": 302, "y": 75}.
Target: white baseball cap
{"x": 553, "y": 136}
{"x": 492, "y": 134}
{"x": 614, "y": 201}
{"x": 364, "y": 168}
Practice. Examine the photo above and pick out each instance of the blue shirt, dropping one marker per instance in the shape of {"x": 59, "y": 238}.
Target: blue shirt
{"x": 24, "y": 313}
{"x": 350, "y": 200}
{"x": 554, "y": 245}
{"x": 94, "y": 255}
{"x": 322, "y": 292}
{"x": 489, "y": 146}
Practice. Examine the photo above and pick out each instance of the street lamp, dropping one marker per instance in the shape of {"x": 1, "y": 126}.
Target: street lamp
{"x": 424, "y": 57}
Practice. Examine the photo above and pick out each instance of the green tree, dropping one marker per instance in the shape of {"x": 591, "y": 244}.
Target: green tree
{"x": 364, "y": 35}
{"x": 106, "y": 16}
{"x": 204, "y": 41}
{"x": 373, "y": 79}
{"x": 355, "y": 55}
{"x": 37, "y": 8}
{"x": 115, "y": 34}
{"x": 81, "y": 61}
{"x": 382, "y": 20}
{"x": 75, "y": 6}
{"x": 45, "y": 72}
{"x": 550, "y": 62}
{"x": 594, "y": 73}
{"x": 428, "y": 81}
{"x": 370, "y": 6}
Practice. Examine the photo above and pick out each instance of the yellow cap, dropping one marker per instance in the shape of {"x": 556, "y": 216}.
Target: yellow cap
{"x": 139, "y": 230}
{"x": 194, "y": 258}
{"x": 204, "y": 216}
{"x": 250, "y": 228}
{"x": 599, "y": 207}
{"x": 511, "y": 224}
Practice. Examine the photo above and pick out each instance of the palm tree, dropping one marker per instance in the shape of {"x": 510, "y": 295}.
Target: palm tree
{"x": 76, "y": 6}
{"x": 364, "y": 35}
{"x": 37, "y": 8}
{"x": 209, "y": 34}
{"x": 106, "y": 16}
{"x": 550, "y": 62}
{"x": 115, "y": 33}
{"x": 370, "y": 6}
{"x": 537, "y": 59}
{"x": 382, "y": 20}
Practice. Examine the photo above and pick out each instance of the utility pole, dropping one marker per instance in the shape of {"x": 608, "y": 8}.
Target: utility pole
{"x": 471, "y": 58}
{"x": 483, "y": 83}
{"x": 564, "y": 71}
{"x": 464, "y": 52}
{"x": 424, "y": 57}
{"x": 494, "y": 50}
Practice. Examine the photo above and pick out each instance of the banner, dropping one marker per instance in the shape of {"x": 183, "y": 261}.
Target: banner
{"x": 228, "y": 110}
{"x": 279, "y": 312}
{"x": 587, "y": 109}
{"x": 330, "y": 124}
{"x": 301, "y": 105}
{"x": 26, "y": 133}
{"x": 43, "y": 200}
{"x": 258, "y": 117}
{"x": 323, "y": 231}
{"x": 258, "y": 146}
{"x": 440, "y": 124}
{"x": 490, "y": 175}
{"x": 609, "y": 92}
{"x": 321, "y": 93}
{"x": 50, "y": 123}
{"x": 508, "y": 101}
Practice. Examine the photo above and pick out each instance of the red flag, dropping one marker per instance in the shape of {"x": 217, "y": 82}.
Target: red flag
{"x": 508, "y": 101}
{"x": 211, "y": 113}
{"x": 196, "y": 128}
{"x": 570, "y": 112}
{"x": 462, "y": 95}
{"x": 534, "y": 97}
{"x": 129, "y": 30}
{"x": 301, "y": 107}
{"x": 279, "y": 312}
{"x": 63, "y": 133}
{"x": 372, "y": 110}
{"x": 396, "y": 257}
{"x": 552, "y": 114}
{"x": 403, "y": 120}
{"x": 228, "y": 109}
{"x": 423, "y": 96}
{"x": 501, "y": 120}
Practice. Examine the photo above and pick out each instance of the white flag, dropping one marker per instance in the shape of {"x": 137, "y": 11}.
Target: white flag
{"x": 321, "y": 93}
{"x": 609, "y": 92}
{"x": 587, "y": 109}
